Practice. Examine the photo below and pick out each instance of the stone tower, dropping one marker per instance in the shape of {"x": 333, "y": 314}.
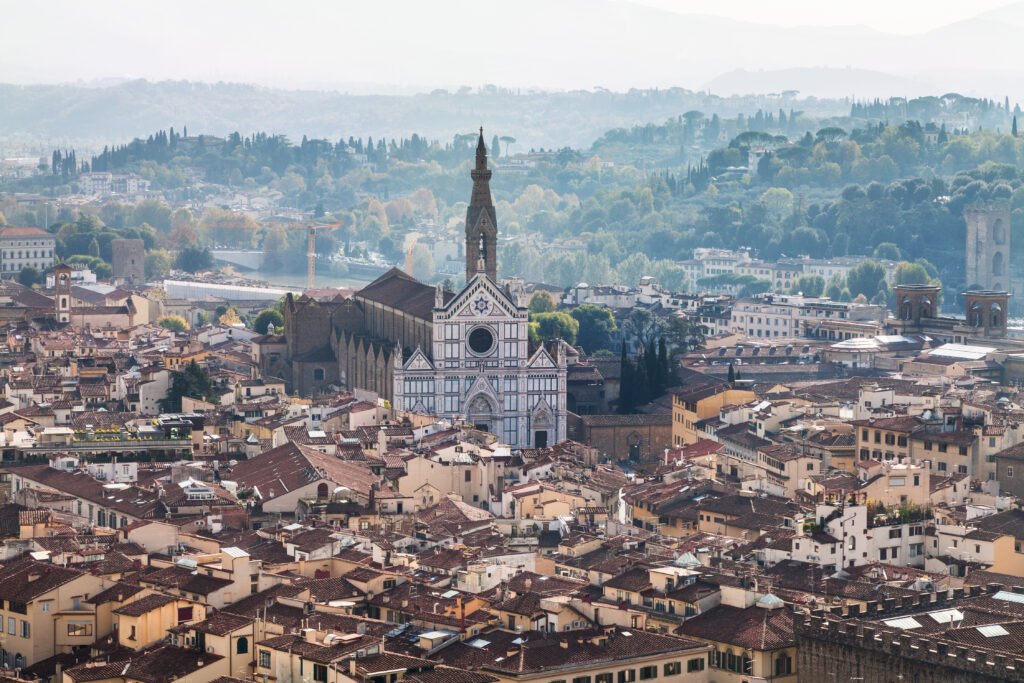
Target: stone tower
{"x": 987, "y": 312}
{"x": 62, "y": 292}
{"x": 988, "y": 246}
{"x": 129, "y": 260}
{"x": 481, "y": 221}
{"x": 914, "y": 302}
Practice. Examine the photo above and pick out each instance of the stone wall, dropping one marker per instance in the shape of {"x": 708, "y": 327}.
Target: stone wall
{"x": 839, "y": 646}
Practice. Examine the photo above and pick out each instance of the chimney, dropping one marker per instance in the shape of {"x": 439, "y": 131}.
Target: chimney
{"x": 528, "y": 584}
{"x": 564, "y": 644}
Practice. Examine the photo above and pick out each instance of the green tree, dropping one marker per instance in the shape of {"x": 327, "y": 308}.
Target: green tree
{"x": 158, "y": 264}
{"x": 193, "y": 259}
{"x": 683, "y": 333}
{"x": 862, "y": 280}
{"x": 911, "y": 274}
{"x": 835, "y": 287}
{"x": 542, "y": 302}
{"x": 94, "y": 248}
{"x": 596, "y": 327}
{"x": 422, "y": 263}
{"x": 887, "y": 251}
{"x": 267, "y": 317}
{"x": 193, "y": 382}
{"x": 174, "y": 323}
{"x": 28, "y": 276}
{"x": 556, "y": 324}
{"x": 809, "y": 285}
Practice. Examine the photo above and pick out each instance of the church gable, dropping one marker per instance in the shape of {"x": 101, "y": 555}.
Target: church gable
{"x": 481, "y": 298}
{"x": 418, "y": 361}
{"x": 542, "y": 359}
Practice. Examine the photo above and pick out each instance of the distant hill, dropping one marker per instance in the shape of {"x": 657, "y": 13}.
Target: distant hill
{"x": 820, "y": 82}
{"x": 120, "y": 112}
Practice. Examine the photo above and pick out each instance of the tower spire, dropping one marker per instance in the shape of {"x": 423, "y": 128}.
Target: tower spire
{"x": 481, "y": 220}
{"x": 481, "y": 152}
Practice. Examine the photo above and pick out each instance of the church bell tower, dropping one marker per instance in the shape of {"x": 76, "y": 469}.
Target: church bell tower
{"x": 481, "y": 222}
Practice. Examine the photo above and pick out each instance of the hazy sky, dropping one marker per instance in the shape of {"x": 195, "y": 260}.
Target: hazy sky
{"x": 359, "y": 45}
{"x": 893, "y": 16}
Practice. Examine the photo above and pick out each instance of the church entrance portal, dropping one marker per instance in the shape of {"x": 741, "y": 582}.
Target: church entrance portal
{"x": 540, "y": 439}
{"x": 481, "y": 413}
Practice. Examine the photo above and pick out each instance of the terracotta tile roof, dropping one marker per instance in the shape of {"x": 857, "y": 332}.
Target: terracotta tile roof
{"x": 160, "y": 664}
{"x": 183, "y": 579}
{"x": 222, "y": 623}
{"x": 326, "y": 590}
{"x": 562, "y": 651}
{"x": 119, "y": 592}
{"x": 137, "y": 608}
{"x": 292, "y": 466}
{"x": 25, "y": 580}
{"x": 755, "y": 628}
{"x": 318, "y": 652}
{"x": 398, "y": 290}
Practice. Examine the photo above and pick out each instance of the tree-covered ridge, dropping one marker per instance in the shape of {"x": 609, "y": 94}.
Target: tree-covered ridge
{"x": 781, "y": 183}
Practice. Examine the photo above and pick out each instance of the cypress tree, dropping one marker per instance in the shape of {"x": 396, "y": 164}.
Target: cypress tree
{"x": 732, "y": 374}
{"x": 666, "y": 372}
{"x": 1013, "y": 128}
{"x": 625, "y": 382}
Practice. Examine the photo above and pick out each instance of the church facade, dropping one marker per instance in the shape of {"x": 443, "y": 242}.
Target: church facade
{"x": 463, "y": 356}
{"x": 479, "y": 365}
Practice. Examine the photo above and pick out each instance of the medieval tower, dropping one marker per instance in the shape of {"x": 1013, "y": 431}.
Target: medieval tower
{"x": 988, "y": 246}
{"x": 481, "y": 220}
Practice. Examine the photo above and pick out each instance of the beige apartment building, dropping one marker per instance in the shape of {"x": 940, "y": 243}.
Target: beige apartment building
{"x": 44, "y": 611}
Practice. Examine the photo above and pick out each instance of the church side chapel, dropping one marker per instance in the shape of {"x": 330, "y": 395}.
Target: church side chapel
{"x": 459, "y": 356}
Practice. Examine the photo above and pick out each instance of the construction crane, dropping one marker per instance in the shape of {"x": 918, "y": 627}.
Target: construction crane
{"x": 311, "y": 230}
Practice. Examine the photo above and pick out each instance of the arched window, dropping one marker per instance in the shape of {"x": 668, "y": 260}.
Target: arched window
{"x": 907, "y": 310}
{"x": 998, "y": 264}
{"x": 926, "y": 308}
{"x": 999, "y": 232}
{"x": 321, "y": 491}
{"x": 243, "y": 646}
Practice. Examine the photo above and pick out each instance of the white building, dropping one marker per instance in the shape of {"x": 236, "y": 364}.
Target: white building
{"x": 26, "y": 246}
{"x": 481, "y": 367}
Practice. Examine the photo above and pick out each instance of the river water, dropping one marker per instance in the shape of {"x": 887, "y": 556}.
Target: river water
{"x": 297, "y": 281}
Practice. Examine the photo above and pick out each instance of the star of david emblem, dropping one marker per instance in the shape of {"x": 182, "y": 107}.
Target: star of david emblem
{"x": 482, "y": 305}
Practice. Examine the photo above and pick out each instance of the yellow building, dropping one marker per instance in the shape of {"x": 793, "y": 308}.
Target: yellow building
{"x": 693, "y": 403}
{"x": 44, "y": 611}
{"x": 886, "y": 439}
{"x": 147, "y": 619}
